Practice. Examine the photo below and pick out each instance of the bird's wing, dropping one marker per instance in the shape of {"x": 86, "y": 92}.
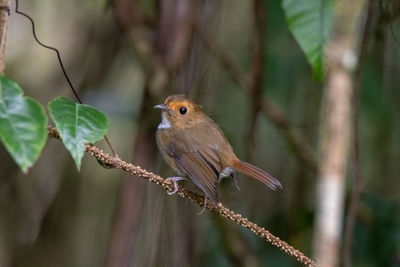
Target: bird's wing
{"x": 200, "y": 163}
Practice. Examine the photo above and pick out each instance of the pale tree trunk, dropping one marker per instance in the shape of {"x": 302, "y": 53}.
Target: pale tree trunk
{"x": 341, "y": 56}
{"x": 6, "y": 246}
{"x": 4, "y": 14}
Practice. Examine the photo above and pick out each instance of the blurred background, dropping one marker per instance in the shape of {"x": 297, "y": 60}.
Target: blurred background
{"x": 125, "y": 56}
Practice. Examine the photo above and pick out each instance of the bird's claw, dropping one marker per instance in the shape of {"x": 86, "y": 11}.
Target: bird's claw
{"x": 174, "y": 180}
{"x": 204, "y": 206}
{"x": 236, "y": 182}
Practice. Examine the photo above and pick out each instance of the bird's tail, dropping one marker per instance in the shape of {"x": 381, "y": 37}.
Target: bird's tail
{"x": 257, "y": 173}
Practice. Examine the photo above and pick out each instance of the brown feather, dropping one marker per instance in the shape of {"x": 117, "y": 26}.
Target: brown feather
{"x": 256, "y": 173}
{"x": 203, "y": 174}
{"x": 192, "y": 157}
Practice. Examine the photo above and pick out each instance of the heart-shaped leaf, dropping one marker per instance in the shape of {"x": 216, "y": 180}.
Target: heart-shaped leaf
{"x": 310, "y": 22}
{"x": 22, "y": 124}
{"x": 77, "y": 124}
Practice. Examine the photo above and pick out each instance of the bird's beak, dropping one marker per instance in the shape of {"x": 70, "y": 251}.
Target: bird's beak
{"x": 162, "y": 107}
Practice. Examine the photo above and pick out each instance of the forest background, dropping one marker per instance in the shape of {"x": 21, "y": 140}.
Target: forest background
{"x": 242, "y": 61}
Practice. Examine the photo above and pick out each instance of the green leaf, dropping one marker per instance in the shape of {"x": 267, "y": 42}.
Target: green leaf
{"x": 77, "y": 124}
{"x": 22, "y": 124}
{"x": 310, "y": 23}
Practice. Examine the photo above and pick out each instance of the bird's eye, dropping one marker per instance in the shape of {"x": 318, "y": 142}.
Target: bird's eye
{"x": 182, "y": 110}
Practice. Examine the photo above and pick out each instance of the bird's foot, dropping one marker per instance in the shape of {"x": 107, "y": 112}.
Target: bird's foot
{"x": 204, "y": 206}
{"x": 174, "y": 180}
{"x": 229, "y": 172}
{"x": 235, "y": 181}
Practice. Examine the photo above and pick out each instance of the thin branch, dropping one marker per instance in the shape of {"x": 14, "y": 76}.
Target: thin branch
{"x": 300, "y": 147}
{"x": 4, "y": 14}
{"x": 257, "y": 77}
{"x": 232, "y": 70}
{"x": 117, "y": 163}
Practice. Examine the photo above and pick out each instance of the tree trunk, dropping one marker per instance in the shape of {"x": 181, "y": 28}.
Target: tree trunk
{"x": 341, "y": 58}
{"x": 4, "y": 14}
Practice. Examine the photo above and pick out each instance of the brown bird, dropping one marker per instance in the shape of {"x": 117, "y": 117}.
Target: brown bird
{"x": 195, "y": 147}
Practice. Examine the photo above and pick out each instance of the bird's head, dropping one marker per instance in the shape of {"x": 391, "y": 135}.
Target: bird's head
{"x": 179, "y": 112}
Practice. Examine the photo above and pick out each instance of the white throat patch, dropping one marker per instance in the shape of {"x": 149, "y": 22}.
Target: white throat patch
{"x": 164, "y": 122}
